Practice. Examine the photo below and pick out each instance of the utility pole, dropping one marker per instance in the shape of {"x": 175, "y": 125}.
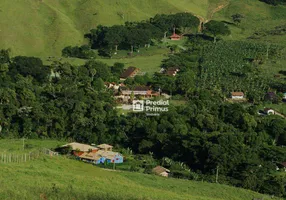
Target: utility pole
{"x": 216, "y": 177}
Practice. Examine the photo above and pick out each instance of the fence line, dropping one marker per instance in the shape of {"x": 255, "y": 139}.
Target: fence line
{"x": 24, "y": 157}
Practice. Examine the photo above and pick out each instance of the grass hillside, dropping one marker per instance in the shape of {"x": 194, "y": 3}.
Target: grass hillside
{"x": 44, "y": 27}
{"x": 63, "y": 178}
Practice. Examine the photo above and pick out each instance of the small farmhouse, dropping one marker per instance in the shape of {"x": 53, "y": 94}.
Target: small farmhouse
{"x": 143, "y": 91}
{"x": 172, "y": 71}
{"x": 175, "y": 36}
{"x": 110, "y": 156}
{"x": 237, "y": 95}
{"x": 130, "y": 72}
{"x": 281, "y": 166}
{"x": 269, "y": 111}
{"x": 92, "y": 157}
{"x": 79, "y": 148}
{"x": 161, "y": 171}
{"x": 284, "y": 96}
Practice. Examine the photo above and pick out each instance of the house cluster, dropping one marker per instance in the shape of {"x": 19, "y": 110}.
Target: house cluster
{"x": 97, "y": 155}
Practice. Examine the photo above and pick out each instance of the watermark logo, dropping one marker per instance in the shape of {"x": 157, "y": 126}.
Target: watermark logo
{"x": 151, "y": 107}
{"x": 138, "y": 105}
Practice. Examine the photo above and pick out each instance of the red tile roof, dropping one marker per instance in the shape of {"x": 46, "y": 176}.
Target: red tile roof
{"x": 129, "y": 72}
{"x": 175, "y": 36}
{"x": 237, "y": 94}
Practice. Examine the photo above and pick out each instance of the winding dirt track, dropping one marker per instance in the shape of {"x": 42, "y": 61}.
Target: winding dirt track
{"x": 210, "y": 15}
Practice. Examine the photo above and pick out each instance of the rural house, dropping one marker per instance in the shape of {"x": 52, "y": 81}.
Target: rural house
{"x": 130, "y": 72}
{"x": 92, "y": 157}
{"x": 281, "y": 166}
{"x": 161, "y": 171}
{"x": 78, "y": 148}
{"x": 269, "y": 111}
{"x": 142, "y": 91}
{"x": 110, "y": 156}
{"x": 172, "y": 71}
{"x": 237, "y": 95}
{"x": 138, "y": 90}
{"x": 175, "y": 36}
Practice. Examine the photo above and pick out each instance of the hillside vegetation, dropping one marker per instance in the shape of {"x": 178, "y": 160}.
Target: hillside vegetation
{"x": 63, "y": 178}
{"x": 45, "y": 27}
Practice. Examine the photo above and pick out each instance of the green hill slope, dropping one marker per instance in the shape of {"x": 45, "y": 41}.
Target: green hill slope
{"x": 62, "y": 178}
{"x": 44, "y": 27}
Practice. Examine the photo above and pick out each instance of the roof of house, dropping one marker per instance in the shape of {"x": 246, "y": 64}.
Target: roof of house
{"x": 237, "y": 94}
{"x": 128, "y": 72}
{"x": 107, "y": 154}
{"x": 267, "y": 109}
{"x": 90, "y": 156}
{"x": 79, "y": 146}
{"x": 171, "y": 72}
{"x": 160, "y": 169}
{"x": 175, "y": 36}
{"x": 100, "y": 153}
{"x": 104, "y": 146}
{"x": 284, "y": 164}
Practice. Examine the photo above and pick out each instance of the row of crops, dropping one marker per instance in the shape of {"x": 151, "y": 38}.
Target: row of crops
{"x": 234, "y": 66}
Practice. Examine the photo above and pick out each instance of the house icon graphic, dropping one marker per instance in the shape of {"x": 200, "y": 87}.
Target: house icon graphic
{"x": 138, "y": 105}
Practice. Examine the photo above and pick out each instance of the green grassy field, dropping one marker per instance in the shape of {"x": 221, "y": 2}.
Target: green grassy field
{"x": 257, "y": 16}
{"x": 63, "y": 178}
{"x": 148, "y": 64}
{"x": 44, "y": 27}
{"x": 16, "y": 146}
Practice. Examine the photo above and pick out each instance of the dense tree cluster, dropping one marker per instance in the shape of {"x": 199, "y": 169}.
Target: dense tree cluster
{"x": 59, "y": 101}
{"x": 83, "y": 52}
{"x": 137, "y": 34}
{"x": 216, "y": 28}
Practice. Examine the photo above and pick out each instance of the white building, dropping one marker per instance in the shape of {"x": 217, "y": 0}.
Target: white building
{"x": 237, "y": 95}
